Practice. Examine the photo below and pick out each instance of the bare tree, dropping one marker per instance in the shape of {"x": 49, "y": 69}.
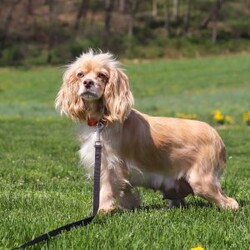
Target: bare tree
{"x": 175, "y": 11}
{"x": 133, "y": 7}
{"x": 6, "y": 24}
{"x": 166, "y": 17}
{"x": 122, "y": 5}
{"x": 51, "y": 29}
{"x": 214, "y": 12}
{"x": 82, "y": 10}
{"x": 29, "y": 7}
{"x": 154, "y": 8}
{"x": 186, "y": 17}
{"x": 109, "y": 6}
{"x": 215, "y": 20}
{"x": 213, "y": 17}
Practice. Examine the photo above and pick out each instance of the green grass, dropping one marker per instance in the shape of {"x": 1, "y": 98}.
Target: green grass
{"x": 42, "y": 185}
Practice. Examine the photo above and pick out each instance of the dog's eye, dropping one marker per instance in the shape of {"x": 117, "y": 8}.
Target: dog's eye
{"x": 101, "y": 75}
{"x": 80, "y": 74}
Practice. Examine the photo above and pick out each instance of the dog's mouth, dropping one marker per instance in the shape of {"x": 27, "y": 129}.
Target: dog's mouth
{"x": 89, "y": 95}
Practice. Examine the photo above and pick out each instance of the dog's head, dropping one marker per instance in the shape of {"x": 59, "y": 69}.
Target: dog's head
{"x": 95, "y": 78}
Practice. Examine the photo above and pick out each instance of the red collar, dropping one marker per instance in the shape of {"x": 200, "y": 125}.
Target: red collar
{"x": 92, "y": 122}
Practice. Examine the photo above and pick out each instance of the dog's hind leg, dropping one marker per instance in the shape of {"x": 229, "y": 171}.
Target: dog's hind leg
{"x": 208, "y": 187}
{"x": 129, "y": 199}
{"x": 175, "y": 191}
{"x": 177, "y": 203}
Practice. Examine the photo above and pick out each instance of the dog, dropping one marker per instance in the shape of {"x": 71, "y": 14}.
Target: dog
{"x": 175, "y": 156}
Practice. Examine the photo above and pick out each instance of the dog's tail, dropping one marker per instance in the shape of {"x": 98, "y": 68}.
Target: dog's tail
{"x": 219, "y": 155}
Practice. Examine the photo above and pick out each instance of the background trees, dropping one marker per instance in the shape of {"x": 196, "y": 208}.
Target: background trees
{"x": 52, "y": 31}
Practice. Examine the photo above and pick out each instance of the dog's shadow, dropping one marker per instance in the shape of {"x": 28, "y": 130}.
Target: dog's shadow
{"x": 192, "y": 204}
{"x": 197, "y": 204}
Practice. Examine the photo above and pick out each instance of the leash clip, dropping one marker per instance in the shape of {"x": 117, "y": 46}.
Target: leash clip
{"x": 99, "y": 127}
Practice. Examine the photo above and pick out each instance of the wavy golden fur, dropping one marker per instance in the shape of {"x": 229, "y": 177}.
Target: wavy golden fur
{"x": 178, "y": 157}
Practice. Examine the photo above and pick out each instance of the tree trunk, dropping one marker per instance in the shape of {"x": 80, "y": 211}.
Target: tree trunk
{"x": 186, "y": 17}
{"x": 51, "y": 30}
{"x": 133, "y": 6}
{"x": 81, "y": 11}
{"x": 122, "y": 6}
{"x": 6, "y": 24}
{"x": 215, "y": 20}
{"x": 214, "y": 31}
{"x": 166, "y": 18}
{"x": 29, "y": 8}
{"x": 215, "y": 10}
{"x": 109, "y": 6}
{"x": 154, "y": 8}
{"x": 175, "y": 11}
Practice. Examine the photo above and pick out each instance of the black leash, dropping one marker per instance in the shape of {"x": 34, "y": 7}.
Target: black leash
{"x": 96, "y": 199}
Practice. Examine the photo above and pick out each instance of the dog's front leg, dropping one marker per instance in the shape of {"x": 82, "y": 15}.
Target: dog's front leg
{"x": 108, "y": 192}
{"x": 107, "y": 199}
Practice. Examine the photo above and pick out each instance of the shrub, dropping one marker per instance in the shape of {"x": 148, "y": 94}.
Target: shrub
{"x": 11, "y": 56}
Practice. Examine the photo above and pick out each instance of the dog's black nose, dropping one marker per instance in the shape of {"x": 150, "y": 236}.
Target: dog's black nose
{"x": 88, "y": 83}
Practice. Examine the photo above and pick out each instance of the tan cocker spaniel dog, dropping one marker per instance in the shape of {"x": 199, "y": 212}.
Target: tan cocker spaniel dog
{"x": 178, "y": 157}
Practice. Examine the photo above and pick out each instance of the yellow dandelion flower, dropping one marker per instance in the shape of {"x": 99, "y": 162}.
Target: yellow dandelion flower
{"x": 186, "y": 116}
{"x": 246, "y": 117}
{"x": 229, "y": 119}
{"x": 218, "y": 116}
{"x": 193, "y": 116}
{"x": 198, "y": 248}
{"x": 216, "y": 111}
{"x": 179, "y": 115}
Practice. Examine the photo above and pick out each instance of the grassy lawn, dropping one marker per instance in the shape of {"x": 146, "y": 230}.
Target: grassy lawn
{"x": 42, "y": 185}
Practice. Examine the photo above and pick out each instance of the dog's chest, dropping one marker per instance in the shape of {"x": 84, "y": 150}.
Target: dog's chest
{"x": 87, "y": 137}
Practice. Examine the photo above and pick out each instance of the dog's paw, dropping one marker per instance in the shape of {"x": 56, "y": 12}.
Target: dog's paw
{"x": 177, "y": 203}
{"x": 129, "y": 200}
{"x": 231, "y": 204}
{"x": 107, "y": 208}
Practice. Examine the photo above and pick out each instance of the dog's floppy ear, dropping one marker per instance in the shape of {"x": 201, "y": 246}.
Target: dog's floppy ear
{"x": 118, "y": 99}
{"x": 68, "y": 100}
